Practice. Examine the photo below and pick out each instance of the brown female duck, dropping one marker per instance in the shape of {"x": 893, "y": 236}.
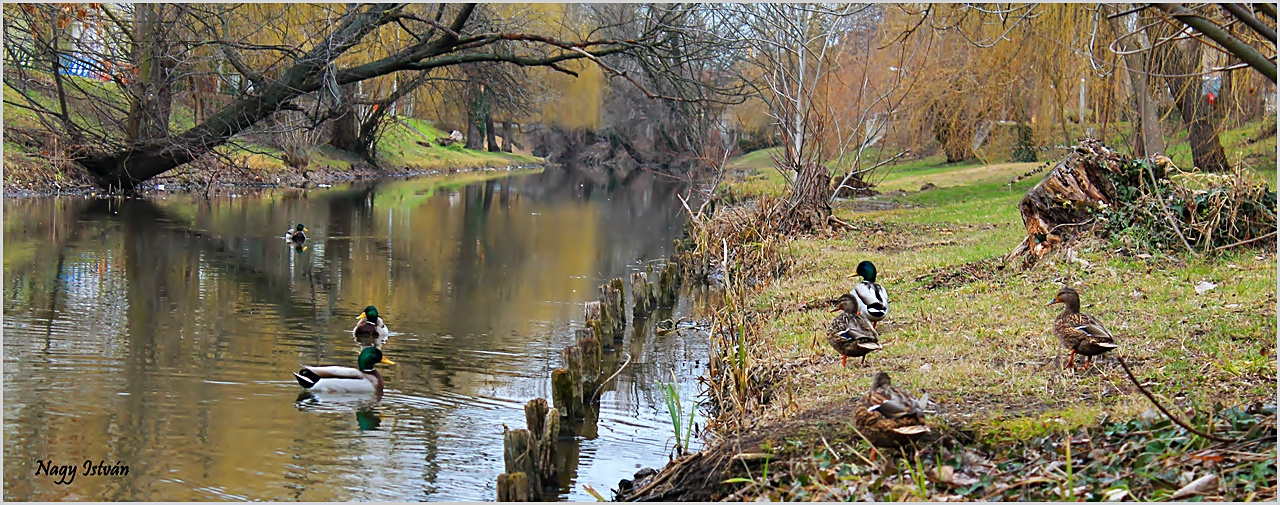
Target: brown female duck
{"x": 1079, "y": 332}
{"x": 888, "y": 416}
{"x": 850, "y": 333}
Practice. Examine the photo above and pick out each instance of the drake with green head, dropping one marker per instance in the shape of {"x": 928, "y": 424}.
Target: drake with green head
{"x": 297, "y": 234}
{"x": 850, "y": 333}
{"x": 370, "y": 330}
{"x": 1080, "y": 333}
{"x": 341, "y": 379}
{"x": 873, "y": 296}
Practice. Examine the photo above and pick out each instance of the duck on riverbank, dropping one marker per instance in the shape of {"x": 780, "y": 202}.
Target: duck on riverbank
{"x": 873, "y": 296}
{"x": 1080, "y": 333}
{"x": 850, "y": 333}
{"x": 888, "y": 416}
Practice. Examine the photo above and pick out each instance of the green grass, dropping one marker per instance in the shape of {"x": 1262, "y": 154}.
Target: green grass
{"x": 981, "y": 345}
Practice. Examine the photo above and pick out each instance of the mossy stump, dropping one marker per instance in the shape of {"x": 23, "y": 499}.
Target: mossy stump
{"x": 643, "y": 295}
{"x": 514, "y": 487}
{"x": 519, "y": 453}
{"x": 668, "y": 284}
{"x": 613, "y": 317}
{"x": 543, "y": 422}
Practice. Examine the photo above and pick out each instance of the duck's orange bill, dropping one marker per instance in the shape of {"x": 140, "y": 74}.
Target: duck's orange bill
{"x": 386, "y": 361}
{"x": 1055, "y": 300}
{"x": 361, "y": 316}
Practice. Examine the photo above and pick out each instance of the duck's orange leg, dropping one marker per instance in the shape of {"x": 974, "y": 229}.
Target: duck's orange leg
{"x": 844, "y": 360}
{"x": 1071, "y": 361}
{"x": 864, "y": 359}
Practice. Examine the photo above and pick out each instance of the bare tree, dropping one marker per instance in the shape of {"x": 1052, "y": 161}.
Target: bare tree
{"x": 277, "y": 74}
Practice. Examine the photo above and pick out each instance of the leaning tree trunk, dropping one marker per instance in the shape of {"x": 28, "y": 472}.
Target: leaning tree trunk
{"x": 807, "y": 207}
{"x": 1181, "y": 66}
{"x": 1061, "y": 203}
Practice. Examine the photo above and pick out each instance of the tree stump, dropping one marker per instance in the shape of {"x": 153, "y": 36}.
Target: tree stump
{"x": 544, "y": 426}
{"x": 592, "y": 313}
{"x": 573, "y": 363}
{"x": 514, "y": 487}
{"x": 1060, "y": 205}
{"x": 520, "y": 457}
{"x": 562, "y": 396}
{"x": 668, "y": 284}
{"x": 591, "y": 355}
{"x": 807, "y": 206}
{"x": 613, "y": 320}
{"x": 643, "y": 294}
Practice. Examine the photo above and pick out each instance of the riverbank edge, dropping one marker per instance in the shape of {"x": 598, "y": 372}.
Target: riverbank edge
{"x": 737, "y": 466}
{"x": 325, "y": 177}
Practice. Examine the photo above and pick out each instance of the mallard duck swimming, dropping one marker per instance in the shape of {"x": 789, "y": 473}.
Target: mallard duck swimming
{"x": 888, "y": 416}
{"x": 297, "y": 234}
{"x": 872, "y": 295}
{"x": 850, "y": 333}
{"x": 1079, "y": 332}
{"x": 370, "y": 330}
{"x": 341, "y": 379}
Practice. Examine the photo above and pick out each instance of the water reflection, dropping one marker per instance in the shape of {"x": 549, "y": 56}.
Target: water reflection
{"x": 162, "y": 333}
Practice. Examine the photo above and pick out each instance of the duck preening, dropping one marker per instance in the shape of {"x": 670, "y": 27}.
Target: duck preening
{"x": 872, "y": 295}
{"x": 297, "y": 234}
{"x": 341, "y": 379}
{"x": 850, "y": 333}
{"x": 888, "y": 416}
{"x": 1079, "y": 332}
{"x": 370, "y": 330}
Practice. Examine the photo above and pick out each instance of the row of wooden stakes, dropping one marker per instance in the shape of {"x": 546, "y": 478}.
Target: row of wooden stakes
{"x": 529, "y": 454}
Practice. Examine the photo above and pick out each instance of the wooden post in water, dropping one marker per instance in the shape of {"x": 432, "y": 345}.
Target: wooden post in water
{"x": 563, "y": 398}
{"x": 642, "y": 293}
{"x": 591, "y": 355}
{"x": 591, "y": 314}
{"x": 669, "y": 284}
{"x": 573, "y": 363}
{"x": 514, "y": 487}
{"x": 544, "y": 426}
{"x": 520, "y": 456}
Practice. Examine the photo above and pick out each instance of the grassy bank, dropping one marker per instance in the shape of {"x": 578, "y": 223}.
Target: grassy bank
{"x": 976, "y": 336}
{"x": 407, "y": 146}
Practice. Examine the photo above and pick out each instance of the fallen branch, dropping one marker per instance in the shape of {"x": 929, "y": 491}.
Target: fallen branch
{"x": 1166, "y": 412}
{"x": 596, "y": 394}
{"x": 1243, "y": 242}
{"x": 856, "y": 172}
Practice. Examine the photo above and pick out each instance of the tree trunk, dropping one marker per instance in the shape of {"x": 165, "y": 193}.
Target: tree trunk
{"x": 1181, "y": 59}
{"x": 1055, "y": 208}
{"x": 1150, "y": 141}
{"x": 506, "y": 136}
{"x": 475, "y": 117}
{"x": 346, "y": 129}
{"x": 807, "y": 207}
{"x": 491, "y": 133}
{"x": 152, "y": 99}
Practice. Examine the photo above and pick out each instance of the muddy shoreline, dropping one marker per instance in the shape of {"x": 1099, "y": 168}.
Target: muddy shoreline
{"x": 229, "y": 181}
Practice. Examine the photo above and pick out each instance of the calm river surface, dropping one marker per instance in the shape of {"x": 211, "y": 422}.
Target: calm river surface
{"x": 162, "y": 334}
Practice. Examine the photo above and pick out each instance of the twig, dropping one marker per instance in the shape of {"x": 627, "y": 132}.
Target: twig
{"x": 596, "y": 394}
{"x": 1155, "y": 187}
{"x": 1166, "y": 412}
{"x": 1243, "y": 242}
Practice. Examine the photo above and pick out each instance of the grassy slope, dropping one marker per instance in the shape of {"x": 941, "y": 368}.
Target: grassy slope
{"x": 398, "y": 147}
{"x": 982, "y": 346}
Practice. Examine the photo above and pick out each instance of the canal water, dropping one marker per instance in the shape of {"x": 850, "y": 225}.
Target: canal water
{"x": 162, "y": 333}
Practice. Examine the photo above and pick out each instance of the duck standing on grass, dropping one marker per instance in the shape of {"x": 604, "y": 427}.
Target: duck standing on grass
{"x": 370, "y": 330}
{"x": 888, "y": 416}
{"x": 341, "y": 379}
{"x": 872, "y": 295}
{"x": 1079, "y": 332}
{"x": 296, "y": 235}
{"x": 850, "y": 333}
